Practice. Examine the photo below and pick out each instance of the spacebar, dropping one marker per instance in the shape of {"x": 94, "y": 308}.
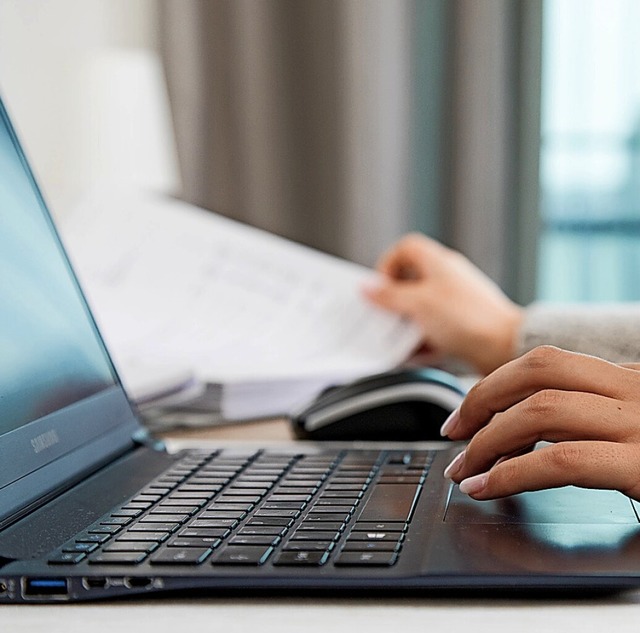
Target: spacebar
{"x": 390, "y": 502}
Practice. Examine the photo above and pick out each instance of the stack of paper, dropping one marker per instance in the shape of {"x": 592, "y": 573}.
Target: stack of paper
{"x": 187, "y": 300}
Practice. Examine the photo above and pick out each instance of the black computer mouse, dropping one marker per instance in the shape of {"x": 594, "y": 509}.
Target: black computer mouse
{"x": 401, "y": 405}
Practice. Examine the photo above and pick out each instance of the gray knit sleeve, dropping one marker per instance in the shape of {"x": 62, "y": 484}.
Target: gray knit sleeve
{"x": 609, "y": 331}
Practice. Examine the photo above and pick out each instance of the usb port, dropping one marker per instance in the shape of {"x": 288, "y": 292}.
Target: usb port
{"x": 37, "y": 587}
{"x": 95, "y": 582}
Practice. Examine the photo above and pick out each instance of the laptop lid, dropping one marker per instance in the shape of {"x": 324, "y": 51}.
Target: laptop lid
{"x": 63, "y": 409}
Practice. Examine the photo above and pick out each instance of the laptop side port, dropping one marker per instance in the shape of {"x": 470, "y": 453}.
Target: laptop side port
{"x": 95, "y": 582}
{"x": 138, "y": 582}
{"x": 45, "y": 587}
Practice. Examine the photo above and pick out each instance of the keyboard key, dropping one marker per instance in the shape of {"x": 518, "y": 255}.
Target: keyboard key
{"x": 154, "y": 527}
{"x": 323, "y": 526}
{"x": 262, "y": 539}
{"x": 314, "y": 517}
{"x": 145, "y": 498}
{"x": 380, "y": 526}
{"x": 117, "y": 558}
{"x": 282, "y": 505}
{"x": 236, "y": 499}
{"x": 243, "y": 555}
{"x": 229, "y": 507}
{"x": 180, "y": 556}
{"x": 262, "y": 530}
{"x": 329, "y": 509}
{"x": 205, "y": 532}
{"x": 302, "y": 480}
{"x": 138, "y": 505}
{"x": 180, "y": 498}
{"x": 373, "y": 559}
{"x": 67, "y": 558}
{"x": 306, "y": 546}
{"x": 203, "y": 542}
{"x": 285, "y": 491}
{"x": 210, "y": 490}
{"x": 144, "y": 536}
{"x": 239, "y": 491}
{"x": 171, "y": 509}
{"x": 254, "y": 486}
{"x": 116, "y": 521}
{"x": 313, "y": 535}
{"x": 104, "y": 529}
{"x": 377, "y": 536}
{"x": 347, "y": 497}
{"x": 213, "y": 523}
{"x": 278, "y": 498}
{"x": 291, "y": 514}
{"x": 371, "y": 546}
{"x": 164, "y": 518}
{"x": 92, "y": 538}
{"x": 280, "y": 521}
{"x": 332, "y": 501}
{"x": 80, "y": 547}
{"x": 126, "y": 512}
{"x": 131, "y": 546}
{"x": 312, "y": 559}
{"x": 208, "y": 481}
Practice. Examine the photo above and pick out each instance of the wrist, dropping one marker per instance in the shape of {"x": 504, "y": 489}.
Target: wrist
{"x": 497, "y": 344}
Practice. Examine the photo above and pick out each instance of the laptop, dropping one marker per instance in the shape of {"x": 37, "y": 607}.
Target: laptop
{"x": 92, "y": 507}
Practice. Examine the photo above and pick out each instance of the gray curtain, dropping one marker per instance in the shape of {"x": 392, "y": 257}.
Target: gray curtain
{"x": 495, "y": 76}
{"x": 343, "y": 124}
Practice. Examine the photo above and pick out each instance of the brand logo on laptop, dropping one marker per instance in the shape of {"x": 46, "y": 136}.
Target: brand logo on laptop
{"x": 44, "y": 441}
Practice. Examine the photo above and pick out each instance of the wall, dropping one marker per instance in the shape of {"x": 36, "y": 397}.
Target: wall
{"x": 82, "y": 82}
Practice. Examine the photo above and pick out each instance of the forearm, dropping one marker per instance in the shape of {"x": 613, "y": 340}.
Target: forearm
{"x": 611, "y": 332}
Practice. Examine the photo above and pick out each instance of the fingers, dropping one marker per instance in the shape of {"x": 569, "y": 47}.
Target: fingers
{"x": 549, "y": 415}
{"x": 542, "y": 368}
{"x": 587, "y": 406}
{"x": 588, "y": 464}
{"x": 405, "y": 299}
{"x": 411, "y": 257}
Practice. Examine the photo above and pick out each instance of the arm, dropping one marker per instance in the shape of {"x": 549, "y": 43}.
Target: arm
{"x": 589, "y": 408}
{"x": 608, "y": 331}
{"x": 463, "y": 314}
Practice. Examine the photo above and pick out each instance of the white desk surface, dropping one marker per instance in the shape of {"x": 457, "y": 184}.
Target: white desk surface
{"x": 331, "y": 615}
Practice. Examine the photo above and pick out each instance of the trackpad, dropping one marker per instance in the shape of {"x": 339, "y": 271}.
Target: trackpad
{"x": 569, "y": 505}
{"x": 563, "y": 531}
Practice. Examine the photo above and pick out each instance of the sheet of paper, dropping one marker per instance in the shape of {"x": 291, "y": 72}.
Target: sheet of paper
{"x": 179, "y": 289}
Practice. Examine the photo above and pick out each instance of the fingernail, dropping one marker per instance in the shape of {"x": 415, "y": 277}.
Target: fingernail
{"x": 474, "y": 485}
{"x": 455, "y": 465}
{"x": 450, "y": 423}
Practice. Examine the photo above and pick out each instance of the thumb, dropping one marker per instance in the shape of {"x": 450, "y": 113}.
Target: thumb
{"x": 400, "y": 296}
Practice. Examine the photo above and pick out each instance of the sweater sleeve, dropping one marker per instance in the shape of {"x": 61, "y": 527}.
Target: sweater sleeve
{"x": 608, "y": 331}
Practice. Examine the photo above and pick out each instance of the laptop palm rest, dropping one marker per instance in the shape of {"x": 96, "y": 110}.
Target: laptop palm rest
{"x": 563, "y": 531}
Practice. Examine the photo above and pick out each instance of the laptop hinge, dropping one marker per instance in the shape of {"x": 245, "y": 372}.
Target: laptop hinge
{"x": 142, "y": 437}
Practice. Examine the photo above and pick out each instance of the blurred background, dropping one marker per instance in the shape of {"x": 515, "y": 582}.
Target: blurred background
{"x": 509, "y": 129}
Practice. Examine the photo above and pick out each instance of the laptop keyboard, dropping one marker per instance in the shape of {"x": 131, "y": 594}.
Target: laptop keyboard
{"x": 346, "y": 508}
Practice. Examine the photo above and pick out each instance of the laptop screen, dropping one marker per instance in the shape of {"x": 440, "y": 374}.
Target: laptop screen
{"x": 51, "y": 355}
{"x": 54, "y": 368}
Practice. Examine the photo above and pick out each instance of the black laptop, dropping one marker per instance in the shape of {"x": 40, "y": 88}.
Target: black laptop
{"x": 91, "y": 507}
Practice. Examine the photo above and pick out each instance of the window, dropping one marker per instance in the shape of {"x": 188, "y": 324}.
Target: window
{"x": 590, "y": 151}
